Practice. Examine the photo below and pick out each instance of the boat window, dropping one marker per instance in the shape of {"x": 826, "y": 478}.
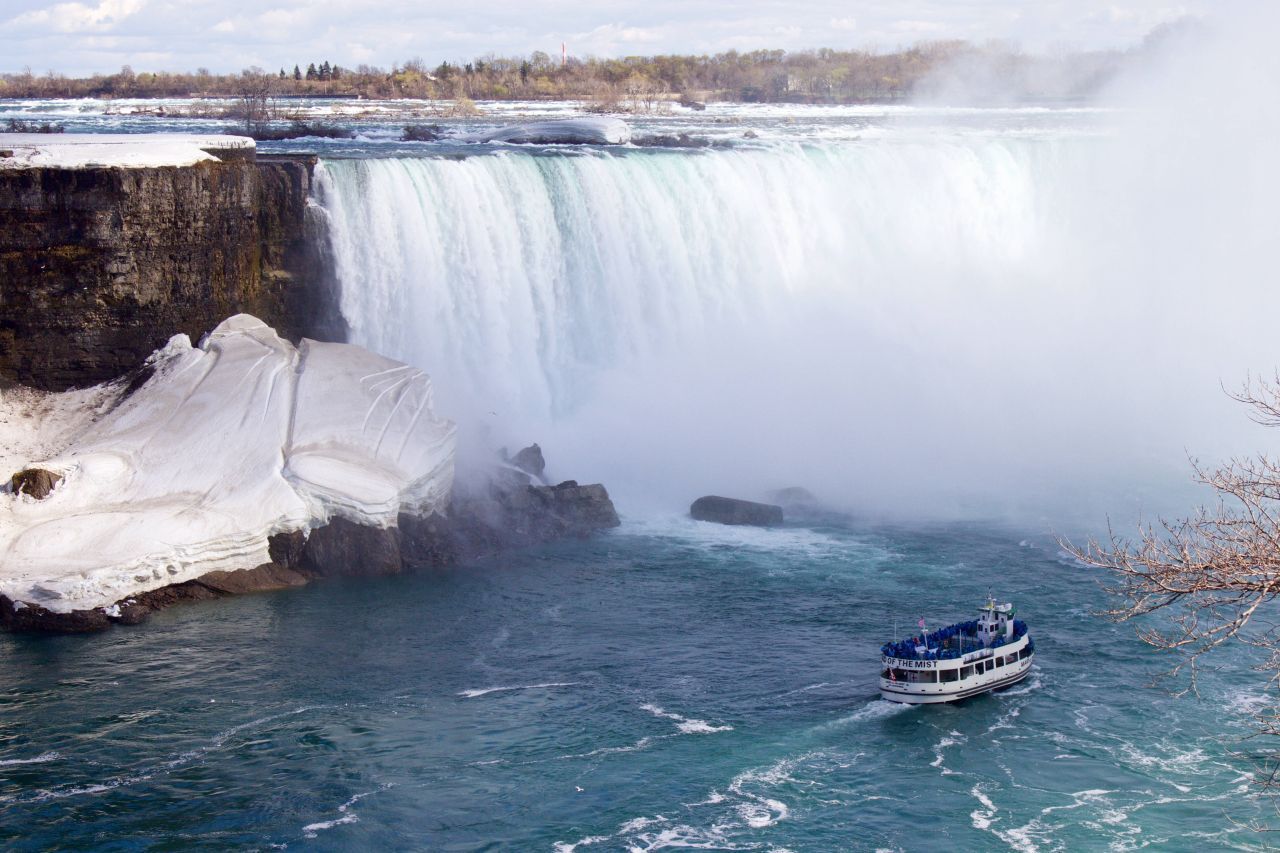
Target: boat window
{"x": 950, "y": 674}
{"x": 966, "y": 671}
{"x": 928, "y": 676}
{"x": 990, "y": 664}
{"x": 884, "y": 673}
{"x": 1024, "y": 654}
{"x": 999, "y": 661}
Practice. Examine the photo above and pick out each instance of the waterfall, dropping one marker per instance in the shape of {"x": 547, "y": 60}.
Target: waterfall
{"x": 955, "y": 319}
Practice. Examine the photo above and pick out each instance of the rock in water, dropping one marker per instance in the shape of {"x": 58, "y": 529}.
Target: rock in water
{"x": 36, "y": 482}
{"x": 794, "y": 497}
{"x": 734, "y": 511}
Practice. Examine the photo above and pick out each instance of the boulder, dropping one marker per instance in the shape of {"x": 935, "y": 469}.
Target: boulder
{"x": 666, "y": 140}
{"x": 530, "y": 460}
{"x": 36, "y": 482}
{"x": 734, "y": 511}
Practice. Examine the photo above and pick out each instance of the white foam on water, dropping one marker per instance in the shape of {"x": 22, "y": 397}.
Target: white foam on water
{"x": 1249, "y": 703}
{"x": 639, "y": 823}
{"x": 683, "y": 836}
{"x": 939, "y": 749}
{"x": 1078, "y": 799}
{"x": 569, "y": 847}
{"x": 1005, "y": 721}
{"x": 345, "y": 815}
{"x": 986, "y": 815}
{"x": 643, "y": 743}
{"x": 764, "y": 813}
{"x": 701, "y": 727}
{"x": 42, "y": 758}
{"x": 485, "y": 691}
{"x": 801, "y": 540}
{"x": 1031, "y": 684}
{"x": 686, "y": 725}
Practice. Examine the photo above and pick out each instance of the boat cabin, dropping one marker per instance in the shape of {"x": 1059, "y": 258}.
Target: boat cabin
{"x": 994, "y": 620}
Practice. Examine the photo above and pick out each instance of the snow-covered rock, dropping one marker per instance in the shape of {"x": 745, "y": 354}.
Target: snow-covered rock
{"x": 589, "y": 130}
{"x": 114, "y": 150}
{"x": 225, "y": 445}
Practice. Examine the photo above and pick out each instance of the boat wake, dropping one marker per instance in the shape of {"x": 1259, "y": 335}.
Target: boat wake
{"x": 876, "y": 709}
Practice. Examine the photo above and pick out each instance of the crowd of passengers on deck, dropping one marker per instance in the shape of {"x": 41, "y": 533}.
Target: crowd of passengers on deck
{"x": 949, "y": 643}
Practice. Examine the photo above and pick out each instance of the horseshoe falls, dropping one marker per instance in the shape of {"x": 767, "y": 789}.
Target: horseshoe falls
{"x": 943, "y": 320}
{"x": 974, "y": 330}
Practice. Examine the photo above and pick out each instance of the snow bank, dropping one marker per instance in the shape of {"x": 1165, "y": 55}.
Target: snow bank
{"x": 588, "y": 130}
{"x": 226, "y": 445}
{"x": 119, "y": 150}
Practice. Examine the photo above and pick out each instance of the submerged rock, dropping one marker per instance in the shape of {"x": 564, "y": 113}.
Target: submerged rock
{"x": 682, "y": 140}
{"x": 797, "y": 497}
{"x": 735, "y": 511}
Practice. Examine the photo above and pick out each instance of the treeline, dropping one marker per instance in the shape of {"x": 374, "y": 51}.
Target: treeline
{"x": 637, "y": 82}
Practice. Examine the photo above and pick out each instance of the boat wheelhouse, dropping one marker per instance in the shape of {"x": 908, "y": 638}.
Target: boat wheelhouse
{"x": 960, "y": 660}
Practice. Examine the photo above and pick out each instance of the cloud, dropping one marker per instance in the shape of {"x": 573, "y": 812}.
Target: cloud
{"x": 77, "y": 17}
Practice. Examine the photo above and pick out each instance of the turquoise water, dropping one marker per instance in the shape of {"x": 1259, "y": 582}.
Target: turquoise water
{"x": 672, "y": 684}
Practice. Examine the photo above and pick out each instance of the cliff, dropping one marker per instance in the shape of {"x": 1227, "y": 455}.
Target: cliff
{"x": 101, "y": 264}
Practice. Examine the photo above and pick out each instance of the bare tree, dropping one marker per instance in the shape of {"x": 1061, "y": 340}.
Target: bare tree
{"x": 254, "y": 103}
{"x": 1214, "y": 574}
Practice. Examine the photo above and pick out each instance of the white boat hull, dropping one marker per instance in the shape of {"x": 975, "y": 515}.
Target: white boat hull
{"x": 905, "y": 687}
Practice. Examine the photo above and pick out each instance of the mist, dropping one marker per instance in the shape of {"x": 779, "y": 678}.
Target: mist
{"x": 1034, "y": 325}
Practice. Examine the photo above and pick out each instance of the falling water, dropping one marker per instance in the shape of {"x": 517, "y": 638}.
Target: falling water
{"x": 950, "y": 321}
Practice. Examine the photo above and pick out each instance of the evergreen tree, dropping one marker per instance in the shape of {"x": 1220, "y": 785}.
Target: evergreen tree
{"x": 311, "y": 71}
{"x": 297, "y": 73}
{"x": 282, "y": 74}
{"x": 324, "y": 70}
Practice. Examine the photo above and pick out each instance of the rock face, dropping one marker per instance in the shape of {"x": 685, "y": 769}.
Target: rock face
{"x": 734, "y": 511}
{"x": 101, "y": 266}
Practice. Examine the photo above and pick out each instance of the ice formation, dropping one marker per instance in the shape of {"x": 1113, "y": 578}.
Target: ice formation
{"x": 227, "y": 444}
{"x": 115, "y": 150}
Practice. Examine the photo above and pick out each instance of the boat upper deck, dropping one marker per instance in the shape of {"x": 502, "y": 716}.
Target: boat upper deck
{"x": 950, "y": 643}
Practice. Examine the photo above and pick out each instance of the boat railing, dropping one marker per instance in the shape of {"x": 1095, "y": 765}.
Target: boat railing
{"x": 949, "y": 643}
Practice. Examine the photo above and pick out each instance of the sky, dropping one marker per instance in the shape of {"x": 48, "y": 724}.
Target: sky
{"x": 100, "y": 36}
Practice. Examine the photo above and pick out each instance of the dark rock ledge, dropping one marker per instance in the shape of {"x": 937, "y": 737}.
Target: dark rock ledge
{"x": 498, "y": 511}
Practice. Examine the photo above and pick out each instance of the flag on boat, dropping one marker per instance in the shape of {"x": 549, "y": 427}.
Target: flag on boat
{"x": 921, "y": 623}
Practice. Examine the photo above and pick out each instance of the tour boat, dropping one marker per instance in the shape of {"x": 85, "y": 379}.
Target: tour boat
{"x": 961, "y": 660}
